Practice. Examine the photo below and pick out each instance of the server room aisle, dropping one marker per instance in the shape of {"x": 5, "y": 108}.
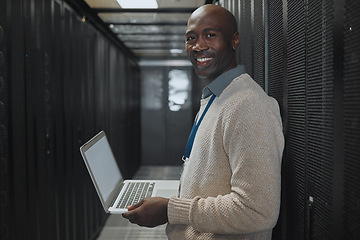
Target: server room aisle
{"x": 117, "y": 227}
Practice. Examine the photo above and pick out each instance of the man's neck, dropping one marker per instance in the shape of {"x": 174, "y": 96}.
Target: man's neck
{"x": 207, "y": 81}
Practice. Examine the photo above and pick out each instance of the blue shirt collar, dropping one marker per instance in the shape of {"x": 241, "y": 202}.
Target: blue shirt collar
{"x": 221, "y": 82}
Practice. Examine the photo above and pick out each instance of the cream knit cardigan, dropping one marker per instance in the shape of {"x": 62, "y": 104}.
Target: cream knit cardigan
{"x": 230, "y": 187}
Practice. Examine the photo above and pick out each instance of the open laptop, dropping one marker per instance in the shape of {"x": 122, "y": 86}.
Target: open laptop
{"x": 115, "y": 193}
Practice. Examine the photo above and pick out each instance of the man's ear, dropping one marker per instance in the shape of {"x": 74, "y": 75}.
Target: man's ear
{"x": 235, "y": 40}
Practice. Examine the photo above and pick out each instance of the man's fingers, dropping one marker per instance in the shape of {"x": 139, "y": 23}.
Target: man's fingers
{"x": 149, "y": 212}
{"x": 130, "y": 208}
{"x": 132, "y": 214}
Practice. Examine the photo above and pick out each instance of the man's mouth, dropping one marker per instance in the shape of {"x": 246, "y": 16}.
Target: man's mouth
{"x": 203, "y": 60}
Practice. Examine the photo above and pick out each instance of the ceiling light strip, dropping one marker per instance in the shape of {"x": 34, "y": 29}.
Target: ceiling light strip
{"x": 144, "y": 10}
{"x": 149, "y": 23}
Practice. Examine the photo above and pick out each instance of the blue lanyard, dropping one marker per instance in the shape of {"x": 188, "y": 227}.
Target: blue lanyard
{"x": 194, "y": 129}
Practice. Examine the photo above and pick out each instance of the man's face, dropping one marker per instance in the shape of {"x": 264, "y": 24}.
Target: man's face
{"x": 209, "y": 45}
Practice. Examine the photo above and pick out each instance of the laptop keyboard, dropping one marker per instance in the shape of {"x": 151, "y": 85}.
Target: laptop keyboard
{"x": 134, "y": 192}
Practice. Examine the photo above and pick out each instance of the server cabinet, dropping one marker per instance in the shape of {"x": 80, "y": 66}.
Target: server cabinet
{"x": 312, "y": 64}
{"x": 4, "y": 126}
{"x": 61, "y": 82}
{"x": 351, "y": 132}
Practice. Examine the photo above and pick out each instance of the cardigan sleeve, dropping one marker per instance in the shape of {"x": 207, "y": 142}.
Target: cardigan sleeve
{"x": 253, "y": 142}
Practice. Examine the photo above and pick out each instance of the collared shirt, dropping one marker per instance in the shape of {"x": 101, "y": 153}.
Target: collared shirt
{"x": 221, "y": 82}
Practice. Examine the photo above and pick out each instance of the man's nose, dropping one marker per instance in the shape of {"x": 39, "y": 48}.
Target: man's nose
{"x": 200, "y": 45}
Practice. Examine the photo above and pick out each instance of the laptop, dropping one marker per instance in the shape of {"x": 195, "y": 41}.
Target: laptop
{"x": 114, "y": 192}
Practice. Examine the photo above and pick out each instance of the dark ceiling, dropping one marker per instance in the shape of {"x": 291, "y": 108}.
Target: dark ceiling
{"x": 148, "y": 33}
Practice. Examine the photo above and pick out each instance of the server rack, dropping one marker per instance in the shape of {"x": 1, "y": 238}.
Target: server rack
{"x": 312, "y": 59}
{"x": 61, "y": 81}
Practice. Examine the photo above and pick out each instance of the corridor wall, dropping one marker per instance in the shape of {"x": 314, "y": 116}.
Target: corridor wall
{"x": 61, "y": 82}
{"x": 306, "y": 54}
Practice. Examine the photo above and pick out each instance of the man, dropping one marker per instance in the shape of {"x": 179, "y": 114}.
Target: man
{"x": 230, "y": 186}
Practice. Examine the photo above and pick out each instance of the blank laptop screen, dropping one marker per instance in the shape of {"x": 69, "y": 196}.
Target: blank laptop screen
{"x": 103, "y": 166}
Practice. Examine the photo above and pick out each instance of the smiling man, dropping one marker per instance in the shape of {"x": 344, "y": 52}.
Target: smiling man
{"x": 211, "y": 41}
{"x": 230, "y": 185}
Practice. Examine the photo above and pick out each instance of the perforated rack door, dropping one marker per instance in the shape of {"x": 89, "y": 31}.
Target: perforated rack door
{"x": 4, "y": 151}
{"x": 351, "y": 208}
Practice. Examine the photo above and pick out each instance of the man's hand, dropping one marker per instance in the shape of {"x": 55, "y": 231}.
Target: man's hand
{"x": 149, "y": 212}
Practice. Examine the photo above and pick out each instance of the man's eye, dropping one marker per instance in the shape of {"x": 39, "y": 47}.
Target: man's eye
{"x": 190, "y": 38}
{"x": 211, "y": 35}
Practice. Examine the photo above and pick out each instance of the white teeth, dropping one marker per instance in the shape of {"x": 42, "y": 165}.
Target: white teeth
{"x": 203, "y": 59}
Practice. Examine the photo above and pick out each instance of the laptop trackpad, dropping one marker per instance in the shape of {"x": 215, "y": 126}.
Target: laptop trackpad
{"x": 166, "y": 193}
